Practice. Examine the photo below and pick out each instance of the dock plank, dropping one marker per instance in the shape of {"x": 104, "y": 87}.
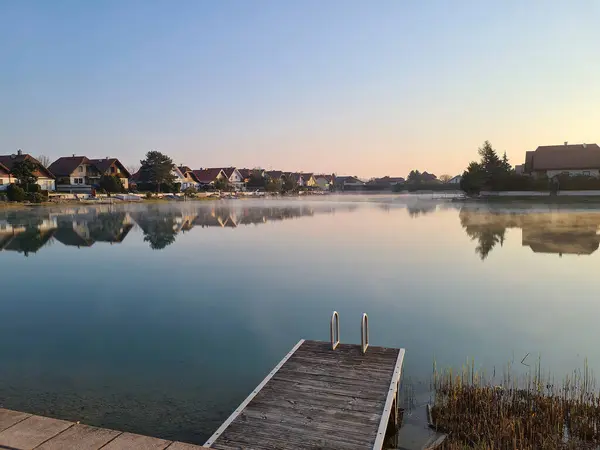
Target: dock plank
{"x": 32, "y": 432}
{"x": 9, "y": 418}
{"x": 317, "y": 398}
{"x": 80, "y": 437}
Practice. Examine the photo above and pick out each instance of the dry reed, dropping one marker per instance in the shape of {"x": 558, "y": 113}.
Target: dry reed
{"x": 529, "y": 412}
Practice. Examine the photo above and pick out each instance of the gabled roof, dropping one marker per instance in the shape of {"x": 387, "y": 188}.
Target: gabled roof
{"x": 564, "y": 157}
{"x": 9, "y": 161}
{"x": 329, "y": 178}
{"x": 66, "y": 165}
{"x": 275, "y": 174}
{"x": 245, "y": 173}
{"x": 207, "y": 176}
{"x": 4, "y": 169}
{"x": 307, "y": 176}
{"x": 186, "y": 171}
{"x": 348, "y": 180}
{"x": 103, "y": 165}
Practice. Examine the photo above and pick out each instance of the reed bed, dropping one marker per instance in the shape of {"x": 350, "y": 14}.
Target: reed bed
{"x": 527, "y": 412}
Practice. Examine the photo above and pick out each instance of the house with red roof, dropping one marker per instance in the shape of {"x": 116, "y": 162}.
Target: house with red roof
{"x": 81, "y": 174}
{"x": 45, "y": 178}
{"x": 208, "y": 177}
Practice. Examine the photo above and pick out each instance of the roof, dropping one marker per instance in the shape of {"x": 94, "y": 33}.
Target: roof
{"x": 66, "y": 165}
{"x": 564, "y": 157}
{"x": 347, "y": 180}
{"x": 4, "y": 169}
{"x": 184, "y": 169}
{"x": 307, "y": 176}
{"x": 228, "y": 171}
{"x": 245, "y": 173}
{"x": 9, "y": 161}
{"x": 104, "y": 164}
{"x": 274, "y": 174}
{"x": 207, "y": 175}
{"x": 329, "y": 178}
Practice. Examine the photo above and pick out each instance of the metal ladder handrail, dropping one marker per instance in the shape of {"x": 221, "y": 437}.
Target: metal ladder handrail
{"x": 335, "y": 337}
{"x": 364, "y": 333}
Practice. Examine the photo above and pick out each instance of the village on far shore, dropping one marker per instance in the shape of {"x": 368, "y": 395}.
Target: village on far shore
{"x": 25, "y": 177}
{"x": 82, "y": 176}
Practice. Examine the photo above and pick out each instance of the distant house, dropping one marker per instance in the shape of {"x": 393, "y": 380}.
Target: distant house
{"x": 308, "y": 180}
{"x": 74, "y": 174}
{"x": 235, "y": 178}
{"x": 386, "y": 182}
{"x": 45, "y": 178}
{"x": 275, "y": 175}
{"x": 208, "y": 177}
{"x": 348, "y": 183}
{"x": 455, "y": 180}
{"x": 567, "y": 159}
{"x": 112, "y": 167}
{"x": 185, "y": 177}
{"x": 324, "y": 182}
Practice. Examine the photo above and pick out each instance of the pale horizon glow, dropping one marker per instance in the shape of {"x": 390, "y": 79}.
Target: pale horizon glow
{"x": 344, "y": 86}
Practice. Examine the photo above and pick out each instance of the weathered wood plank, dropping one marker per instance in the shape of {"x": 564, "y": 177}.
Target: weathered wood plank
{"x": 130, "y": 441}
{"x": 80, "y": 437}
{"x": 32, "y": 431}
{"x": 8, "y": 418}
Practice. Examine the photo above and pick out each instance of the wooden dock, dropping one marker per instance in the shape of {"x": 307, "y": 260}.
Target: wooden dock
{"x": 322, "y": 395}
{"x": 22, "y": 431}
{"x": 319, "y": 398}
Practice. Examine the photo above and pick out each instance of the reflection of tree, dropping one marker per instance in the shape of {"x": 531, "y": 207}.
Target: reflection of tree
{"x": 109, "y": 227}
{"x": 488, "y": 234}
{"x": 418, "y": 210}
{"x": 159, "y": 230}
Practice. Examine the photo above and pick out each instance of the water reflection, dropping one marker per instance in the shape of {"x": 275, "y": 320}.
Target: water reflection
{"x": 29, "y": 231}
{"x": 553, "y": 232}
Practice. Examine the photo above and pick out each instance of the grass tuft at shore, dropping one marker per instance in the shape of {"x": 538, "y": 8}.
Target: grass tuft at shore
{"x": 525, "y": 413}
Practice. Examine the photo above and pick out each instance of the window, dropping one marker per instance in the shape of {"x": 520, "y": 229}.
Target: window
{"x": 77, "y": 180}
{"x": 586, "y": 173}
{"x": 80, "y": 169}
{"x": 1, "y": 181}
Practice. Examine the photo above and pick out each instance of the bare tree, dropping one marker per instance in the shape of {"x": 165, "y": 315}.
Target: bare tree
{"x": 132, "y": 168}
{"x": 444, "y": 178}
{"x": 44, "y": 160}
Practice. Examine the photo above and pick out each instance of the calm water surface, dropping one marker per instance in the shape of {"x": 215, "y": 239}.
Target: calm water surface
{"x": 161, "y": 319}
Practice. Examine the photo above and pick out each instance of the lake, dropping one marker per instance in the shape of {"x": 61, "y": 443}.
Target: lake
{"x": 161, "y": 318}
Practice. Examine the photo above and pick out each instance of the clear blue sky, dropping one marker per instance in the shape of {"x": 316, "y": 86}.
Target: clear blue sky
{"x": 353, "y": 87}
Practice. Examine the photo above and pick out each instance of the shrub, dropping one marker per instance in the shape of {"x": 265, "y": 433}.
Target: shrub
{"x": 190, "y": 191}
{"x": 34, "y": 188}
{"x": 3, "y": 197}
{"x": 15, "y": 193}
{"x": 36, "y": 197}
{"x": 148, "y": 195}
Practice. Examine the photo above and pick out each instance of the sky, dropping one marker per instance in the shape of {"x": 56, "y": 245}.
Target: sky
{"x": 352, "y": 87}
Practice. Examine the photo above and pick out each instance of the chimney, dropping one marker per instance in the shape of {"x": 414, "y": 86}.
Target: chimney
{"x": 19, "y": 152}
{"x": 584, "y": 145}
{"x": 73, "y": 155}
{"x": 566, "y": 143}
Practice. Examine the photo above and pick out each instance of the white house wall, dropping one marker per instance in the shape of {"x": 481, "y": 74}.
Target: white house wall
{"x": 573, "y": 173}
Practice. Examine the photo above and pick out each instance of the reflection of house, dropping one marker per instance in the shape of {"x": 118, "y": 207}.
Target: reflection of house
{"x": 45, "y": 178}
{"x": 567, "y": 159}
{"x": 576, "y": 242}
{"x": 27, "y": 241}
{"x": 560, "y": 233}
